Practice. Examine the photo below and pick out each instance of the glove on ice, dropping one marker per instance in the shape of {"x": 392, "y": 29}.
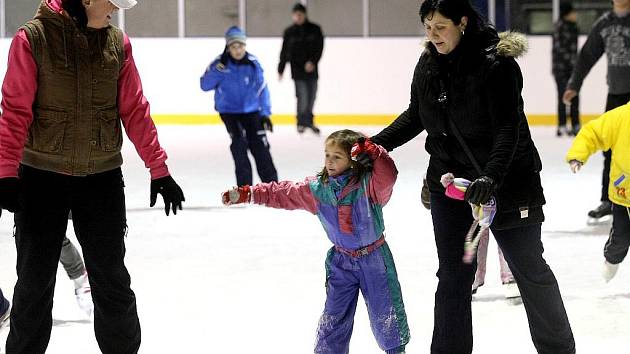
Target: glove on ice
{"x": 237, "y": 195}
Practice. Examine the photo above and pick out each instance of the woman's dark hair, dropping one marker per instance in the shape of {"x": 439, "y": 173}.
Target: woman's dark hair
{"x": 76, "y": 11}
{"x": 454, "y": 10}
{"x": 345, "y": 139}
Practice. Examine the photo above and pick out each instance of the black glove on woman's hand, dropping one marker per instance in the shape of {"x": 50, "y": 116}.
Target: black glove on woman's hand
{"x": 266, "y": 123}
{"x": 170, "y": 191}
{"x": 480, "y": 191}
{"x": 9, "y": 191}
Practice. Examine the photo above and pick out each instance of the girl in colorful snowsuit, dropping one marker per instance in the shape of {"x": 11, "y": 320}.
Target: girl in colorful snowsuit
{"x": 348, "y": 199}
{"x": 610, "y": 131}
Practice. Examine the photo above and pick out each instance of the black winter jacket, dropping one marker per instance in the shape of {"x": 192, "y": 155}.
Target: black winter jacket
{"x": 482, "y": 83}
{"x": 301, "y": 44}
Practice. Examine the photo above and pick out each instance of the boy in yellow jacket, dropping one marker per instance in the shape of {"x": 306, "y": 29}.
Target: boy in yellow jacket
{"x": 610, "y": 131}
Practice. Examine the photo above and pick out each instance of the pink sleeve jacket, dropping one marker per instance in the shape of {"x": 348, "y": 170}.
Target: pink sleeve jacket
{"x": 18, "y": 94}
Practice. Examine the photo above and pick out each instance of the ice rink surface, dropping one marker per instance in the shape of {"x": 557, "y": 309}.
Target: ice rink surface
{"x": 251, "y": 279}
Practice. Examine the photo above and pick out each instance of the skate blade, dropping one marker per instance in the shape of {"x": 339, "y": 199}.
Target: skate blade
{"x": 599, "y": 221}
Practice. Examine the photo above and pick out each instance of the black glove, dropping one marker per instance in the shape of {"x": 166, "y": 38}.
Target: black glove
{"x": 9, "y": 190}
{"x": 480, "y": 191}
{"x": 170, "y": 191}
{"x": 266, "y": 123}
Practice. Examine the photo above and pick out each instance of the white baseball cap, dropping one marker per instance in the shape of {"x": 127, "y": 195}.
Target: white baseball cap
{"x": 124, "y": 4}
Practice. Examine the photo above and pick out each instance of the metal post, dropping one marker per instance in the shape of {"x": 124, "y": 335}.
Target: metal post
{"x": 181, "y": 18}
{"x": 3, "y": 17}
{"x": 555, "y": 10}
{"x": 121, "y": 19}
{"x": 242, "y": 14}
{"x": 492, "y": 11}
{"x": 366, "y": 18}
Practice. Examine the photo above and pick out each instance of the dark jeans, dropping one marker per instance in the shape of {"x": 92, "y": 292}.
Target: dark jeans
{"x": 616, "y": 247}
{"x": 612, "y": 102}
{"x": 247, "y": 133}
{"x": 305, "y": 91}
{"x": 98, "y": 210}
{"x": 522, "y": 248}
{"x": 574, "y": 108}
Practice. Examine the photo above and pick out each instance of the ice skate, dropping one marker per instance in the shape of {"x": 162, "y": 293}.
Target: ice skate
{"x": 604, "y": 209}
{"x": 562, "y": 130}
{"x": 83, "y": 293}
{"x": 511, "y": 290}
{"x": 609, "y": 270}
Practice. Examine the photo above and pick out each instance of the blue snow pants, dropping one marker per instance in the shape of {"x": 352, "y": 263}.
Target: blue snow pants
{"x": 375, "y": 275}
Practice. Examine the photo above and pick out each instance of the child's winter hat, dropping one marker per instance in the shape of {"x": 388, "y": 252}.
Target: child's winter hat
{"x": 233, "y": 35}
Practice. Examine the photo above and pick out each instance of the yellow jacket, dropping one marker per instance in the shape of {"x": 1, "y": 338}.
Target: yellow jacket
{"x": 610, "y": 131}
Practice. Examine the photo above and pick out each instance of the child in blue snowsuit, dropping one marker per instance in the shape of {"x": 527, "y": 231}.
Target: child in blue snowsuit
{"x": 242, "y": 99}
{"x": 348, "y": 199}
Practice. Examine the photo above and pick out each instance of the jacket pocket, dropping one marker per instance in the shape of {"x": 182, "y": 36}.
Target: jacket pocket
{"x": 48, "y": 130}
{"x": 344, "y": 216}
{"x": 110, "y": 135}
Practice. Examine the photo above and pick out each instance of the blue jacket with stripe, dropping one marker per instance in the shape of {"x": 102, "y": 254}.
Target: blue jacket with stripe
{"x": 240, "y": 86}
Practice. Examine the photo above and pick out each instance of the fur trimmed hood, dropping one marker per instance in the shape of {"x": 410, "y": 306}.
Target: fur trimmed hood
{"x": 512, "y": 44}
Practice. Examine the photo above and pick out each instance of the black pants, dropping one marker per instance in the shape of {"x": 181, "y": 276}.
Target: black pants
{"x": 574, "y": 108}
{"x": 616, "y": 247}
{"x": 247, "y": 133}
{"x": 612, "y": 102}
{"x": 98, "y": 209}
{"x": 522, "y": 248}
{"x": 305, "y": 91}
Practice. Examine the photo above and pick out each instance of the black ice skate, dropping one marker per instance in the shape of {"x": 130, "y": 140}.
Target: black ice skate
{"x": 600, "y": 213}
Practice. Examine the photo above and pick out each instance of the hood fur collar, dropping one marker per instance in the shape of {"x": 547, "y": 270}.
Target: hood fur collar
{"x": 511, "y": 44}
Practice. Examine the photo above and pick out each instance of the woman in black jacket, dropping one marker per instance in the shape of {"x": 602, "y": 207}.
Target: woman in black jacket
{"x": 466, "y": 90}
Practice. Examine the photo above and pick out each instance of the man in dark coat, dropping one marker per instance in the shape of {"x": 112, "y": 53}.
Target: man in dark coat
{"x": 302, "y": 46}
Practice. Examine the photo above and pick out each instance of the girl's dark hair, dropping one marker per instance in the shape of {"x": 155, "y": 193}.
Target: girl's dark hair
{"x": 76, "y": 10}
{"x": 345, "y": 139}
{"x": 454, "y": 10}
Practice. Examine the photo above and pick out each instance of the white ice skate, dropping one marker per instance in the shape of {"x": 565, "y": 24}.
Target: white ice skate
{"x": 511, "y": 290}
{"x": 83, "y": 293}
{"x": 609, "y": 270}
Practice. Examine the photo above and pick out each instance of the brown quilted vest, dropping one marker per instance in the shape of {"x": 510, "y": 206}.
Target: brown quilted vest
{"x": 76, "y": 129}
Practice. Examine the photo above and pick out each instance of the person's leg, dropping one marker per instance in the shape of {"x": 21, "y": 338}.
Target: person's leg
{"x": 71, "y": 260}
{"x": 561, "y": 84}
{"x": 301, "y": 93}
{"x": 73, "y": 264}
{"x": 259, "y": 147}
{"x": 382, "y": 294}
{"x": 310, "y": 103}
{"x": 482, "y": 255}
{"x": 342, "y": 291}
{"x": 548, "y": 323}
{"x": 100, "y": 223}
{"x": 452, "y": 331}
{"x": 506, "y": 272}
{"x": 39, "y": 231}
{"x": 574, "y": 110}
{"x": 238, "y": 147}
{"x": 616, "y": 247}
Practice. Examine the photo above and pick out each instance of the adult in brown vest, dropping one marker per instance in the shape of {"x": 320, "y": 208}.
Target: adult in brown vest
{"x": 71, "y": 84}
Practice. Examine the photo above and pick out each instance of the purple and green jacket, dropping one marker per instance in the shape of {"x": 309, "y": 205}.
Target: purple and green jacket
{"x": 350, "y": 212}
